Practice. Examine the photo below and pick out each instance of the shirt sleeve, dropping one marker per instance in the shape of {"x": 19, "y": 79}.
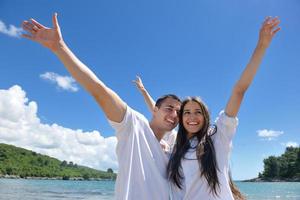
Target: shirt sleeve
{"x": 127, "y": 126}
{"x": 124, "y": 127}
{"x": 222, "y": 139}
{"x": 226, "y": 126}
{"x": 170, "y": 137}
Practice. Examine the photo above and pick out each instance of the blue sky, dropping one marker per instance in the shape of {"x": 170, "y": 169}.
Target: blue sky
{"x": 183, "y": 47}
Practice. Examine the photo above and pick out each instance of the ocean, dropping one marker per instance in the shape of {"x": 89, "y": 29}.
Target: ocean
{"x": 21, "y": 189}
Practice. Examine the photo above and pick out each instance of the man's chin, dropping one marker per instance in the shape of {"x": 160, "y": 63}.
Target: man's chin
{"x": 170, "y": 128}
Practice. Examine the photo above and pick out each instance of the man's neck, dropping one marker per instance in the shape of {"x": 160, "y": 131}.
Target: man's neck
{"x": 159, "y": 134}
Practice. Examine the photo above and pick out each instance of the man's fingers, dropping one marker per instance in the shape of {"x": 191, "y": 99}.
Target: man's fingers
{"x": 28, "y": 27}
{"x": 37, "y": 23}
{"x": 55, "y": 21}
{"x": 30, "y": 37}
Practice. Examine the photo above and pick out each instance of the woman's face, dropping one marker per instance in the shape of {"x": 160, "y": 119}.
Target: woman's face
{"x": 192, "y": 118}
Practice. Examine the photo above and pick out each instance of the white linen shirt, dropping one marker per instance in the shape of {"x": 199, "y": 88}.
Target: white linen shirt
{"x": 195, "y": 186}
{"x": 168, "y": 141}
{"x": 142, "y": 162}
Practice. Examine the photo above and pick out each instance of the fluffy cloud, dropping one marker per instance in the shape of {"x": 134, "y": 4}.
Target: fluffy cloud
{"x": 291, "y": 144}
{"x": 11, "y": 30}
{"x": 63, "y": 82}
{"x": 269, "y": 134}
{"x": 20, "y": 126}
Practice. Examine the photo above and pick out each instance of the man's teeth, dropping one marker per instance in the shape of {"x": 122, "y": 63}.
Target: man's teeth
{"x": 171, "y": 121}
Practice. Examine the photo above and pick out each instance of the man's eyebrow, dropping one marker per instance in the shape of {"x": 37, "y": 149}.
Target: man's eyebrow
{"x": 170, "y": 106}
{"x": 173, "y": 107}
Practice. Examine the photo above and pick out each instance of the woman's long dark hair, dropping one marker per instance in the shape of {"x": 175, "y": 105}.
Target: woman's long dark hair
{"x": 205, "y": 150}
{"x": 237, "y": 195}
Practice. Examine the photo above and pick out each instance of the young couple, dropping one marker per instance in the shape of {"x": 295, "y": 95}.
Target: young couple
{"x": 197, "y": 167}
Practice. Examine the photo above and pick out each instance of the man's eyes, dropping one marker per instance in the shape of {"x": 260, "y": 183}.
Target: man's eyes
{"x": 169, "y": 109}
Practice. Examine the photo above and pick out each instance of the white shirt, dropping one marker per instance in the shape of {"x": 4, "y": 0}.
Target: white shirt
{"x": 196, "y": 186}
{"x": 168, "y": 141}
{"x": 142, "y": 162}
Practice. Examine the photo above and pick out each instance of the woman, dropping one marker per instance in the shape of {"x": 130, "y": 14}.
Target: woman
{"x": 198, "y": 167}
{"x": 199, "y": 164}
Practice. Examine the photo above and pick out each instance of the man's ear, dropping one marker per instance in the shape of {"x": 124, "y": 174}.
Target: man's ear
{"x": 155, "y": 109}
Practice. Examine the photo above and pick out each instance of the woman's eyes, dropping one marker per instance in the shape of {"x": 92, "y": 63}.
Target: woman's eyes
{"x": 188, "y": 112}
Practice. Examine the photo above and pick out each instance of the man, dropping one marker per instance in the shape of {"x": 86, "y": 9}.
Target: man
{"x": 142, "y": 162}
{"x": 169, "y": 138}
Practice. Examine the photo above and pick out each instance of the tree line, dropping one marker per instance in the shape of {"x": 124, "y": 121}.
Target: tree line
{"x": 284, "y": 167}
{"x": 24, "y": 163}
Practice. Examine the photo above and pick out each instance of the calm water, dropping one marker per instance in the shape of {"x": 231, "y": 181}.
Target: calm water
{"x": 18, "y": 189}
{"x": 104, "y": 190}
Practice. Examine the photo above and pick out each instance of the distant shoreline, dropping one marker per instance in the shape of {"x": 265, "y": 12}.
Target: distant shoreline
{"x": 272, "y": 180}
{"x": 254, "y": 180}
{"x": 54, "y": 178}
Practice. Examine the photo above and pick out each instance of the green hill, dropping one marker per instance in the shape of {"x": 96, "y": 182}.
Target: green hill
{"x": 24, "y": 163}
{"x": 281, "y": 168}
{"x": 286, "y": 166}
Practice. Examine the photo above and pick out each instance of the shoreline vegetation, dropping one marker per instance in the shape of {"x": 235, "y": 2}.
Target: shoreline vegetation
{"x": 18, "y": 163}
{"x": 271, "y": 180}
{"x": 283, "y": 168}
{"x": 6, "y": 176}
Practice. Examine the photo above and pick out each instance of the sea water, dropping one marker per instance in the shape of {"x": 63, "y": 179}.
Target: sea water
{"x": 22, "y": 189}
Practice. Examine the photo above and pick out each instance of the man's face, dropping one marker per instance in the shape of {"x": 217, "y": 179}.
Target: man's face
{"x": 167, "y": 115}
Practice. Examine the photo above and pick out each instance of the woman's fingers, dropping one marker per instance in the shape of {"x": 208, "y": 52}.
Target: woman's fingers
{"x": 275, "y": 23}
{"x": 270, "y": 26}
{"x": 276, "y": 30}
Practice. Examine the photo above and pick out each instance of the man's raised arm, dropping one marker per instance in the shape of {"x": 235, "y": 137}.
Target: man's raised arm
{"x": 112, "y": 105}
{"x": 147, "y": 97}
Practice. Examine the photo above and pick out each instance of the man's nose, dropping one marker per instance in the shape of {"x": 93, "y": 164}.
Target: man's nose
{"x": 174, "y": 113}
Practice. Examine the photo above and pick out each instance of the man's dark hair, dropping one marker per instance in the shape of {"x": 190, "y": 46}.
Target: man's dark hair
{"x": 161, "y": 99}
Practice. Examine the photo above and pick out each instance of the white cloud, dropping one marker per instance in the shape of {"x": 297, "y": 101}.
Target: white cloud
{"x": 63, "y": 82}
{"x": 20, "y": 126}
{"x": 11, "y": 30}
{"x": 291, "y": 144}
{"x": 269, "y": 134}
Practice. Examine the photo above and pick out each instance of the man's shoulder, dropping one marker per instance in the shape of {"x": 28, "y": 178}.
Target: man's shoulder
{"x": 136, "y": 115}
